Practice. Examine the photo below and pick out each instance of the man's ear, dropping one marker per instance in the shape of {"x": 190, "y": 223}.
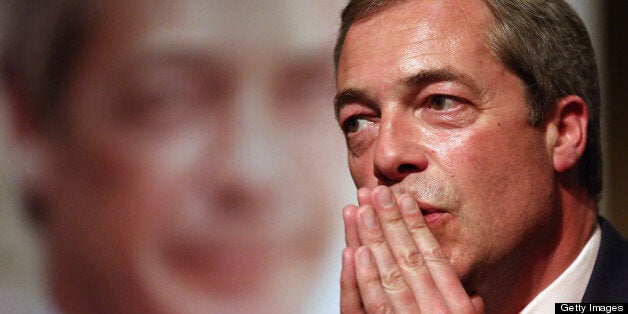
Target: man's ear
{"x": 569, "y": 122}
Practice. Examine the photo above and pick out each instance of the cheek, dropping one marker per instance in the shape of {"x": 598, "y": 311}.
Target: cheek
{"x": 361, "y": 170}
{"x": 504, "y": 173}
{"x": 120, "y": 182}
{"x": 504, "y": 184}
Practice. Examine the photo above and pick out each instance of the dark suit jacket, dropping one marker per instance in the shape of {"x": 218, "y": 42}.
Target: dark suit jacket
{"x": 609, "y": 280}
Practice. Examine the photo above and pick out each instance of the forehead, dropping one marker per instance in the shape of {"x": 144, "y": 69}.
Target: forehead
{"x": 437, "y": 14}
{"x": 411, "y": 35}
{"x": 255, "y": 25}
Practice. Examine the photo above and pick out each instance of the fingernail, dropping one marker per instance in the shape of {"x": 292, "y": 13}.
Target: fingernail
{"x": 364, "y": 257}
{"x": 368, "y": 216}
{"x": 385, "y": 198}
{"x": 408, "y": 205}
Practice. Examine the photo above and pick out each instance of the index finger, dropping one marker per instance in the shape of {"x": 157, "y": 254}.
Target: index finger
{"x": 352, "y": 239}
{"x": 364, "y": 196}
{"x": 350, "y": 299}
{"x": 434, "y": 257}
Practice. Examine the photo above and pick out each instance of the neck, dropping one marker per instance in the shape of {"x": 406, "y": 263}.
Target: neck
{"x": 544, "y": 256}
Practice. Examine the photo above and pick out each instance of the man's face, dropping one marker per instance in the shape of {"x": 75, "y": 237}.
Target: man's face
{"x": 427, "y": 109}
{"x": 195, "y": 161}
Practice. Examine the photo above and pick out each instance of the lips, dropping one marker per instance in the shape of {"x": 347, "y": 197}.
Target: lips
{"x": 431, "y": 214}
{"x": 435, "y": 202}
{"x": 432, "y": 218}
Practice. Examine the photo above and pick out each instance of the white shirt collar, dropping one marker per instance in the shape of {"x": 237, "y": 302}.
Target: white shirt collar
{"x": 569, "y": 287}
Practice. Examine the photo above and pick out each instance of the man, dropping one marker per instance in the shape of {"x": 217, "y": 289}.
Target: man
{"x": 472, "y": 129}
{"x": 175, "y": 157}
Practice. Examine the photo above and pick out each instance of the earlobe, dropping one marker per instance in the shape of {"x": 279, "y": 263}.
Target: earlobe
{"x": 570, "y": 120}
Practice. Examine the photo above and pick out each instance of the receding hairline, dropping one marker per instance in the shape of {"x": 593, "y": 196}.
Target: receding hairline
{"x": 377, "y": 7}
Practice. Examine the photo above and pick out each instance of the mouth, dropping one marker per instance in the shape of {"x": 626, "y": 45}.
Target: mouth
{"x": 432, "y": 218}
{"x": 432, "y": 215}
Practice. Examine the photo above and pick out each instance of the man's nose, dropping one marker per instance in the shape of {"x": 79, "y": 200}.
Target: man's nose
{"x": 398, "y": 151}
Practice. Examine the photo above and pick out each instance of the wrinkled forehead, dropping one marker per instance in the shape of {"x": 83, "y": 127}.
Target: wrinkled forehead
{"x": 243, "y": 24}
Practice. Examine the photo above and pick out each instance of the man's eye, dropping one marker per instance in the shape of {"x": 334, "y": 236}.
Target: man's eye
{"x": 441, "y": 102}
{"x": 355, "y": 124}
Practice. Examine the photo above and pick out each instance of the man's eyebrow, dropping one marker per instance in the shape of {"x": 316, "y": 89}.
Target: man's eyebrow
{"x": 420, "y": 79}
{"x": 347, "y": 96}
{"x": 429, "y": 76}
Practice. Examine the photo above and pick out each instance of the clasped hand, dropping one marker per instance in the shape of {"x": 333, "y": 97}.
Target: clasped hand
{"x": 393, "y": 263}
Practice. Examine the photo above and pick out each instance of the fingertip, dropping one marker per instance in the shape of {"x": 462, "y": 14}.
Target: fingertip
{"x": 383, "y": 197}
{"x": 364, "y": 196}
{"x": 352, "y": 238}
{"x": 407, "y": 204}
{"x": 478, "y": 303}
{"x": 347, "y": 254}
{"x": 348, "y": 211}
{"x": 363, "y": 255}
{"x": 373, "y": 195}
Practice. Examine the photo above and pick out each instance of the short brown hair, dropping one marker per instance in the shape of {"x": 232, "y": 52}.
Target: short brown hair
{"x": 41, "y": 43}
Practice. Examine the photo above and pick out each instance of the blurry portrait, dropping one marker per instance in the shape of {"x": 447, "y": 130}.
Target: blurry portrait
{"x": 177, "y": 156}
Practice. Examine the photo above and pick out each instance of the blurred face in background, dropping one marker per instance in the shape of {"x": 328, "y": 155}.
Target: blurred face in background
{"x": 192, "y": 168}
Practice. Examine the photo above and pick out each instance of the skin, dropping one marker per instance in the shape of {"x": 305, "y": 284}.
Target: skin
{"x": 179, "y": 180}
{"x": 433, "y": 121}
